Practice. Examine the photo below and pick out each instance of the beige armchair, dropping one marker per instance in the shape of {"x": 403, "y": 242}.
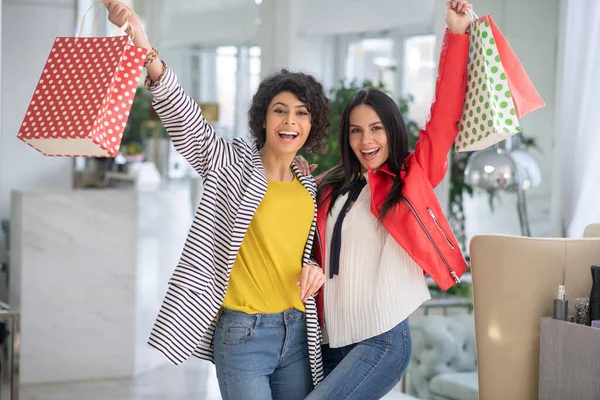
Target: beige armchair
{"x": 515, "y": 280}
{"x": 592, "y": 230}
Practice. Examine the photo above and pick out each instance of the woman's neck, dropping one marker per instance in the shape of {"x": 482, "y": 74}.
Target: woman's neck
{"x": 277, "y": 166}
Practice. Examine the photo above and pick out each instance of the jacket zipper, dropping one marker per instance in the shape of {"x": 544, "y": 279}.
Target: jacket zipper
{"x": 452, "y": 273}
{"x": 318, "y": 235}
{"x": 440, "y": 228}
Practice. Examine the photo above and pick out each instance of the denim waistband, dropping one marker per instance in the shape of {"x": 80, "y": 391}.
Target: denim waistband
{"x": 255, "y": 320}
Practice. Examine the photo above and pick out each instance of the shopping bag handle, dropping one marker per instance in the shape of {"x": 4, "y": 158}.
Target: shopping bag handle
{"x": 472, "y": 16}
{"x": 124, "y": 27}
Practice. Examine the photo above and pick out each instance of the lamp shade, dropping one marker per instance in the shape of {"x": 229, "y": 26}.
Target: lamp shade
{"x": 492, "y": 168}
{"x": 496, "y": 168}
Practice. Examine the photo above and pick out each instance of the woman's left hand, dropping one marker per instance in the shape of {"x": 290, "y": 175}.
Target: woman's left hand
{"x": 305, "y": 168}
{"x": 457, "y": 20}
{"x": 311, "y": 280}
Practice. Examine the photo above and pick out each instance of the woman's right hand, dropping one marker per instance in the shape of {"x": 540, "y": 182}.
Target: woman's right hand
{"x": 119, "y": 14}
{"x": 457, "y": 20}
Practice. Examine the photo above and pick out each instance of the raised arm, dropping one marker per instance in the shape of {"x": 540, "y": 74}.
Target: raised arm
{"x": 441, "y": 129}
{"x": 192, "y": 135}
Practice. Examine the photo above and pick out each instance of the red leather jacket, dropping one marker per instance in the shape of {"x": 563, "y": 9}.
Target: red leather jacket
{"x": 418, "y": 223}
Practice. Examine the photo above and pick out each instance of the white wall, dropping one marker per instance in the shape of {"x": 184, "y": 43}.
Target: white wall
{"x": 28, "y": 31}
{"x": 531, "y": 28}
{"x": 317, "y": 17}
{"x": 231, "y": 26}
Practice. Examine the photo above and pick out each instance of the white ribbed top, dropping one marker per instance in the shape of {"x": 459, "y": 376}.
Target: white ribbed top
{"x": 379, "y": 285}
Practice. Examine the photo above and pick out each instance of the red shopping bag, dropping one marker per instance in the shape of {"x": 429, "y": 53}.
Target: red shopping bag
{"x": 524, "y": 95}
{"x": 82, "y": 101}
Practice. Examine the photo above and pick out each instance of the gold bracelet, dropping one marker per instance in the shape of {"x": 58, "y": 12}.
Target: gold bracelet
{"x": 151, "y": 57}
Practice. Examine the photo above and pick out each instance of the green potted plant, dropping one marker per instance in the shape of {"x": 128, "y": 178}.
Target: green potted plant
{"x": 140, "y": 112}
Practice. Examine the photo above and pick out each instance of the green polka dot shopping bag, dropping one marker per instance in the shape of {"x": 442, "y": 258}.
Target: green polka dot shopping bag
{"x": 499, "y": 91}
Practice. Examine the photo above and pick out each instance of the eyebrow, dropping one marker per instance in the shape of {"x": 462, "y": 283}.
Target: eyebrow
{"x": 371, "y": 124}
{"x": 285, "y": 105}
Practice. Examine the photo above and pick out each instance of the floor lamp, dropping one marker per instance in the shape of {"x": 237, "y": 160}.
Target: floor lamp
{"x": 507, "y": 167}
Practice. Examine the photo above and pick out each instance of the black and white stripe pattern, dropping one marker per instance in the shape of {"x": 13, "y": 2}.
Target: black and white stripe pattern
{"x": 234, "y": 185}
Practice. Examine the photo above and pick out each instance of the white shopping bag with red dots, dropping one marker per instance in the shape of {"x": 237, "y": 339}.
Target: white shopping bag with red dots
{"x": 83, "y": 98}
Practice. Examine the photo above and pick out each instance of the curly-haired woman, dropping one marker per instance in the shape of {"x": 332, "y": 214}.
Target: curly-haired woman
{"x": 242, "y": 293}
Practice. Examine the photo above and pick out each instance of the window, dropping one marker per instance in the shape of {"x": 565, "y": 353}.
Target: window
{"x": 228, "y": 79}
{"x": 371, "y": 59}
{"x": 254, "y": 69}
{"x": 419, "y": 75}
{"x": 226, "y": 88}
{"x": 376, "y": 59}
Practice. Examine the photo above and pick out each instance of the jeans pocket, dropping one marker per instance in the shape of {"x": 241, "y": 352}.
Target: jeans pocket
{"x": 232, "y": 333}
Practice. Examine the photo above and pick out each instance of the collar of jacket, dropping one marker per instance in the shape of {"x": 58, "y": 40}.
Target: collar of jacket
{"x": 385, "y": 169}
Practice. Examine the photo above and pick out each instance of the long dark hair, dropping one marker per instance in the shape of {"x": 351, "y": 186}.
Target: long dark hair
{"x": 349, "y": 169}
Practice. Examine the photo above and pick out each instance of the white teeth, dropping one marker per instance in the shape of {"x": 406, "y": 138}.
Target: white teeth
{"x": 369, "y": 152}
{"x": 288, "y": 133}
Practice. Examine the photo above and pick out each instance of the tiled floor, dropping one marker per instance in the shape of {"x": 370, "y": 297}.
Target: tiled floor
{"x": 194, "y": 380}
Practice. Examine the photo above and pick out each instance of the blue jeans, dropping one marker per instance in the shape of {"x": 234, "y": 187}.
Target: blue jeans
{"x": 366, "y": 370}
{"x": 262, "y": 356}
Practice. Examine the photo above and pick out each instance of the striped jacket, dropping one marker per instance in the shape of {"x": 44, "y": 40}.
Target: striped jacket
{"x": 234, "y": 185}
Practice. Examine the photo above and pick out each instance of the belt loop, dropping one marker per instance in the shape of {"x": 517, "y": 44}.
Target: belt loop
{"x": 256, "y": 321}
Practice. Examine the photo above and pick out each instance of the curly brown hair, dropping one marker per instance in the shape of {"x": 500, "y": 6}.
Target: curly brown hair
{"x": 308, "y": 90}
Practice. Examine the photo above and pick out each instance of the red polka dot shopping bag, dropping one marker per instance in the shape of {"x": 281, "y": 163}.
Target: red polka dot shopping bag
{"x": 499, "y": 91}
{"x": 82, "y": 100}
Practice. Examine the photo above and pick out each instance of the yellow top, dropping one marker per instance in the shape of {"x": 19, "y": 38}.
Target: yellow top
{"x": 269, "y": 264}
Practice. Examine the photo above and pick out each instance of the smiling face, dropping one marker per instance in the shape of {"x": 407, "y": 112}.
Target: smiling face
{"x": 368, "y": 137}
{"x": 287, "y": 124}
